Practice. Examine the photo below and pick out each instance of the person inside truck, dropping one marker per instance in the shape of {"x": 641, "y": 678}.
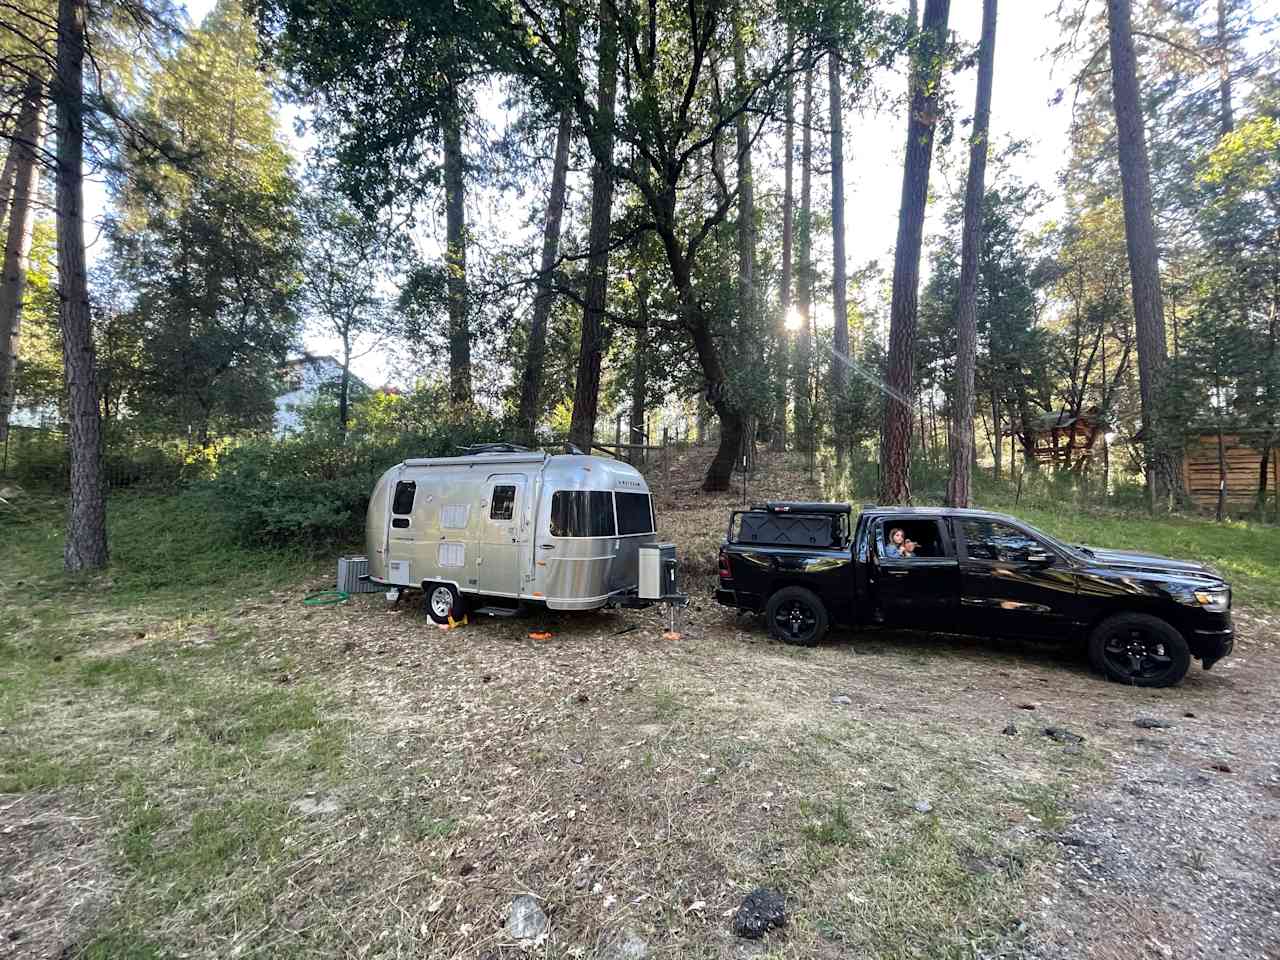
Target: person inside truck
{"x": 899, "y": 547}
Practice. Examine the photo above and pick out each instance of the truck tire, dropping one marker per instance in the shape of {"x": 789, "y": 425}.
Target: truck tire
{"x": 442, "y": 601}
{"x": 796, "y": 615}
{"x": 1139, "y": 649}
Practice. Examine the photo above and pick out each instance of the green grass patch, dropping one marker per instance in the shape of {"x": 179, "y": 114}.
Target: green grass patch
{"x": 25, "y": 771}
{"x": 666, "y": 704}
{"x": 827, "y": 824}
{"x": 168, "y": 552}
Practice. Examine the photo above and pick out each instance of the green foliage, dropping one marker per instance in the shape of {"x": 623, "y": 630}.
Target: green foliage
{"x": 38, "y": 378}
{"x": 309, "y": 492}
{"x": 348, "y": 256}
{"x": 1012, "y": 350}
{"x": 207, "y": 243}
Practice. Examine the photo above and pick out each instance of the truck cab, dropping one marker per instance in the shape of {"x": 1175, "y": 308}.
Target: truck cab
{"x": 805, "y": 566}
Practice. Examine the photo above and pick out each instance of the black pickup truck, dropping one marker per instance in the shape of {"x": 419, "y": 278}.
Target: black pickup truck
{"x": 807, "y": 565}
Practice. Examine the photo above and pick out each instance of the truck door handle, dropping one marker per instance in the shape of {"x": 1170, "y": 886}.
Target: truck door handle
{"x": 897, "y": 573}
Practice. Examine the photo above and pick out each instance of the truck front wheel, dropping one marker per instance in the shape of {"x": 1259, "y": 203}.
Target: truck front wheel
{"x": 1139, "y": 649}
{"x": 796, "y": 615}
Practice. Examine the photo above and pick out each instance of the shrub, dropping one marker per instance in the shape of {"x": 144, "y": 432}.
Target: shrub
{"x": 313, "y": 491}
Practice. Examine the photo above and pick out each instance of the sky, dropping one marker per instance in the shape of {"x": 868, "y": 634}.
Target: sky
{"x": 1024, "y": 88}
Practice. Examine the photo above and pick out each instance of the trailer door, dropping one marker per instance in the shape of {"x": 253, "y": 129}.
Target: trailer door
{"x": 503, "y": 536}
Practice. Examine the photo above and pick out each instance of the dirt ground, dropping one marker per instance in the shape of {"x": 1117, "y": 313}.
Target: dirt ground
{"x": 898, "y": 789}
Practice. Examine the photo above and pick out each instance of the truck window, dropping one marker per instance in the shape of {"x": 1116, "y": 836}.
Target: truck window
{"x": 996, "y": 541}
{"x": 925, "y": 534}
{"x": 402, "y": 502}
{"x": 582, "y": 513}
{"x": 635, "y": 514}
{"x": 503, "y": 506}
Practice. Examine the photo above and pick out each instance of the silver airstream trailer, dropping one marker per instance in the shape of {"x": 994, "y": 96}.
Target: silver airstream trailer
{"x": 520, "y": 526}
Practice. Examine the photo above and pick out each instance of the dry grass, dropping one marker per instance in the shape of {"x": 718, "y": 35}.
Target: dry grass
{"x": 55, "y": 876}
{"x": 350, "y": 781}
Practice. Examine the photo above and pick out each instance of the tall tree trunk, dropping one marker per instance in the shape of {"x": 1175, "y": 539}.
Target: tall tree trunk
{"x": 1226, "y": 117}
{"x": 1164, "y": 471}
{"x": 1264, "y": 464}
{"x": 804, "y": 273}
{"x": 926, "y": 70}
{"x": 1222, "y": 471}
{"x": 997, "y": 448}
{"x": 13, "y": 280}
{"x": 640, "y": 366}
{"x": 748, "y": 312}
{"x": 535, "y": 350}
{"x": 960, "y": 438}
{"x": 460, "y": 393}
{"x": 586, "y": 394}
{"x": 839, "y": 290}
{"x": 344, "y": 387}
{"x": 732, "y": 420}
{"x": 86, "y": 541}
{"x": 788, "y": 215}
{"x": 8, "y": 173}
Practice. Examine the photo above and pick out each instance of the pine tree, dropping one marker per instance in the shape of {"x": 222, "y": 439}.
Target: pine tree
{"x": 895, "y": 441}
{"x": 210, "y": 243}
{"x": 960, "y": 437}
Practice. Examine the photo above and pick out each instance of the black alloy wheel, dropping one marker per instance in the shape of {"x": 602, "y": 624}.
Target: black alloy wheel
{"x": 1136, "y": 653}
{"x": 1139, "y": 649}
{"x": 796, "y": 615}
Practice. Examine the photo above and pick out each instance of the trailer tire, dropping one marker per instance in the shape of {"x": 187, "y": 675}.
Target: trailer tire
{"x": 796, "y": 615}
{"x": 442, "y": 601}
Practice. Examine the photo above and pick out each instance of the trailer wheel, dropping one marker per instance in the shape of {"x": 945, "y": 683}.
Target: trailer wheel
{"x": 796, "y": 615}
{"x": 442, "y": 601}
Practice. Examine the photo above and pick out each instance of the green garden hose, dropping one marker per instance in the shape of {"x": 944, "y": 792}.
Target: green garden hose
{"x": 326, "y": 598}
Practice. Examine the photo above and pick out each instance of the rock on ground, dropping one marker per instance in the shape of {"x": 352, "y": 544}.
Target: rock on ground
{"x": 761, "y": 911}
{"x": 525, "y": 919}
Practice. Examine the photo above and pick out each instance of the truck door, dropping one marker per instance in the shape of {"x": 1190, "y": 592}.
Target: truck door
{"x": 920, "y": 590}
{"x": 1012, "y": 584}
{"x": 503, "y": 536}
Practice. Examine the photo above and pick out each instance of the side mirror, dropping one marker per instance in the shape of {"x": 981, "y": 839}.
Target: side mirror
{"x": 1040, "y": 558}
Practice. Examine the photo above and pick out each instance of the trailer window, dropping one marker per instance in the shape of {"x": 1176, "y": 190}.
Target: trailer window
{"x": 635, "y": 514}
{"x": 503, "y": 506}
{"x": 582, "y": 513}
{"x": 403, "y": 500}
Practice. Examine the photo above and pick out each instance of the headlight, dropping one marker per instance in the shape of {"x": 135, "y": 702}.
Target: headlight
{"x": 1213, "y": 601}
